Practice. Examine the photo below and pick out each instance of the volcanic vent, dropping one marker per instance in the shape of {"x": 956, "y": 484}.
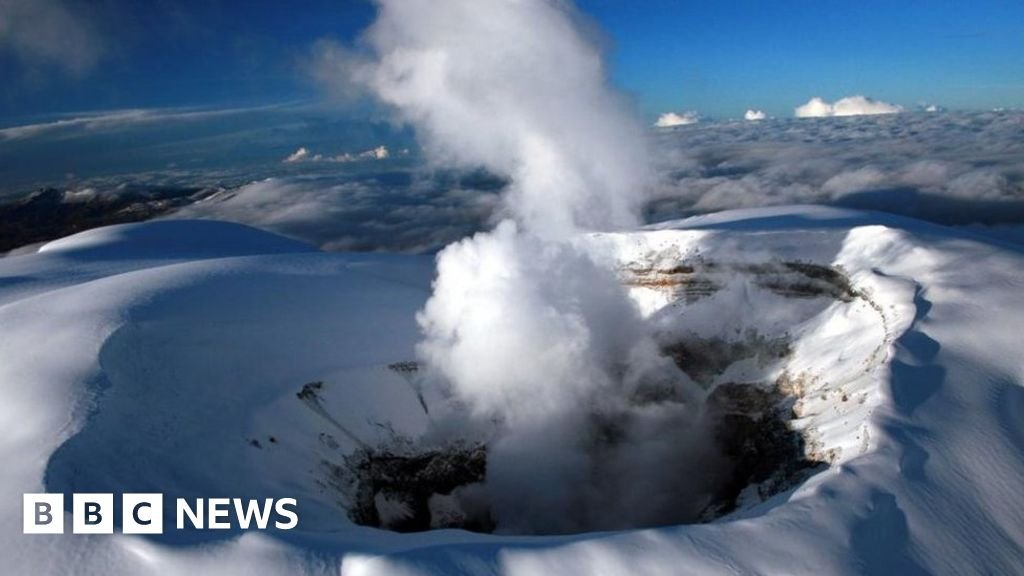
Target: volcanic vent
{"x": 749, "y": 336}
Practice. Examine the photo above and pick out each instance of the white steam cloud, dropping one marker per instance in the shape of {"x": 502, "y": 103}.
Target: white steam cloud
{"x": 849, "y": 106}
{"x": 479, "y": 95}
{"x": 520, "y": 342}
{"x": 525, "y": 326}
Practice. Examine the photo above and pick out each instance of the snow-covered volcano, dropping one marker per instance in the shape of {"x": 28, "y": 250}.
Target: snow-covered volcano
{"x": 865, "y": 370}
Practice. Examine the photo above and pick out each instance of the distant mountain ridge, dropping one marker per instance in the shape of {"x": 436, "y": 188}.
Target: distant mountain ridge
{"x": 50, "y": 213}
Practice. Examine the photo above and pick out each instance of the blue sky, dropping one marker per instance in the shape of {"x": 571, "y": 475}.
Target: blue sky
{"x": 716, "y": 57}
{"x": 721, "y": 57}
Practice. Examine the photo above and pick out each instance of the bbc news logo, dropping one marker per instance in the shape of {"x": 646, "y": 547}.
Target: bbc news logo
{"x": 144, "y": 514}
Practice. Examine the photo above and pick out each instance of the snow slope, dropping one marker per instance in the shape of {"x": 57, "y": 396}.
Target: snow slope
{"x": 167, "y": 356}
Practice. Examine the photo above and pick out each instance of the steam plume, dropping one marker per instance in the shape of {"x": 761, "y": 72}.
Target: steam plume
{"x": 526, "y": 327}
{"x": 511, "y": 85}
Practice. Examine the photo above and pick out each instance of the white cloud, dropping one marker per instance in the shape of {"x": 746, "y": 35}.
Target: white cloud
{"x": 754, "y": 115}
{"x": 814, "y": 108}
{"x": 849, "y": 106}
{"x": 378, "y": 153}
{"x": 304, "y": 155}
{"x": 80, "y": 195}
{"x": 299, "y": 155}
{"x": 849, "y": 181}
{"x": 113, "y": 120}
{"x": 88, "y": 122}
{"x": 670, "y": 119}
{"x": 49, "y": 32}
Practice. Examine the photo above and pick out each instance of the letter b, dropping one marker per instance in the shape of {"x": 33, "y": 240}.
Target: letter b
{"x": 93, "y": 514}
{"x": 43, "y": 514}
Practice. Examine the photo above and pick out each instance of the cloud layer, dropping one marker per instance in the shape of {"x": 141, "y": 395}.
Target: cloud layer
{"x": 949, "y": 168}
{"x": 394, "y": 212}
{"x": 953, "y": 168}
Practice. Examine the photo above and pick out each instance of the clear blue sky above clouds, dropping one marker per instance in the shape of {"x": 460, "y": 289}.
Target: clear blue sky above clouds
{"x": 717, "y": 57}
